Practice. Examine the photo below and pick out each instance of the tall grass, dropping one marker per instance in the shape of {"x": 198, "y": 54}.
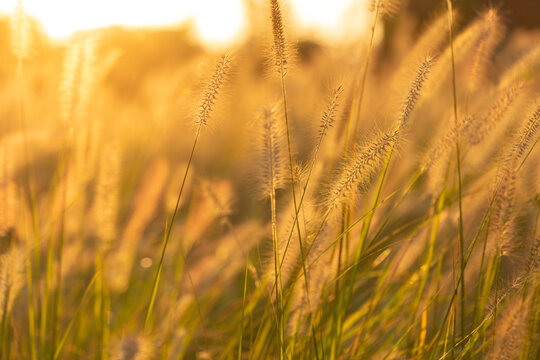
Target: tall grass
{"x": 392, "y": 214}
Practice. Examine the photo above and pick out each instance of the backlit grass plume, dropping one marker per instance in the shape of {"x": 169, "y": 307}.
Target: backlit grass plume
{"x": 404, "y": 224}
{"x": 361, "y": 165}
{"x": 506, "y": 184}
{"x": 482, "y": 127}
{"x": 440, "y": 149}
{"x": 329, "y": 114}
{"x": 272, "y": 153}
{"x": 11, "y": 280}
{"x": 525, "y": 136}
{"x": 272, "y": 176}
{"x": 8, "y": 187}
{"x": 533, "y": 260}
{"x": 20, "y": 33}
{"x": 512, "y": 330}
{"x": 279, "y": 47}
{"x": 78, "y": 78}
{"x": 216, "y": 82}
{"x": 491, "y": 34}
{"x": 368, "y": 159}
{"x": 212, "y": 89}
{"x": 465, "y": 48}
{"x": 414, "y": 91}
{"x": 524, "y": 69}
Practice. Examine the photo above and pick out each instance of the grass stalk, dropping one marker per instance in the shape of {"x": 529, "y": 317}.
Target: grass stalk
{"x": 30, "y": 179}
{"x": 244, "y": 293}
{"x": 279, "y": 290}
{"x": 458, "y": 160}
{"x": 58, "y": 350}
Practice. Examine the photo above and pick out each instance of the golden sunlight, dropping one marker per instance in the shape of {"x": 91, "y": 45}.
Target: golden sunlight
{"x": 61, "y": 18}
{"x": 215, "y": 21}
{"x": 329, "y": 20}
{"x": 269, "y": 179}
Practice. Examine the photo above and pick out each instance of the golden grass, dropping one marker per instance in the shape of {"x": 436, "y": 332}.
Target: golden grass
{"x": 394, "y": 214}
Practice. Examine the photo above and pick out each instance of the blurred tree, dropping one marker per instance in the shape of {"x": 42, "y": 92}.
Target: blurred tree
{"x": 517, "y": 13}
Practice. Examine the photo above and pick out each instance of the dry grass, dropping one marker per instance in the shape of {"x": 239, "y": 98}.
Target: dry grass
{"x": 152, "y": 209}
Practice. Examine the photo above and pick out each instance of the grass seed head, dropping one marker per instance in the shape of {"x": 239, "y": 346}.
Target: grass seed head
{"x": 414, "y": 91}
{"x": 272, "y": 152}
{"x": 359, "y": 168}
{"x": 279, "y": 47}
{"x": 329, "y": 115}
{"x": 221, "y": 73}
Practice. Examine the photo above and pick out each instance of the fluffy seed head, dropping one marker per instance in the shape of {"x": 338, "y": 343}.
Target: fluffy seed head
{"x": 8, "y": 187}
{"x": 441, "y": 147}
{"x": 511, "y": 330}
{"x": 216, "y": 82}
{"x": 20, "y": 32}
{"x": 11, "y": 277}
{"x": 359, "y": 168}
{"x": 77, "y": 79}
{"x": 279, "y": 46}
{"x": 480, "y": 129}
{"x": 526, "y": 135}
{"x": 504, "y": 203}
{"x": 414, "y": 91}
{"x": 272, "y": 153}
{"x": 491, "y": 33}
{"x": 329, "y": 115}
{"x": 506, "y": 185}
{"x": 290, "y": 253}
{"x": 523, "y": 70}
{"x": 533, "y": 261}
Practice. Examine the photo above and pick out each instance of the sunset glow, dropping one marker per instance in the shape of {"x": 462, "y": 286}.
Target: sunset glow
{"x": 269, "y": 179}
{"x": 214, "y": 20}
{"x": 60, "y": 18}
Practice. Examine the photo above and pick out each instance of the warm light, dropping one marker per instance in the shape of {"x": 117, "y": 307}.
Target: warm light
{"x": 215, "y": 20}
{"x": 329, "y": 19}
{"x": 323, "y": 13}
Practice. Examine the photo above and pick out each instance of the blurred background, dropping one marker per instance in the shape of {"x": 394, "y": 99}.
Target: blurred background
{"x": 517, "y": 13}
{"x": 325, "y": 19}
{"x": 120, "y": 82}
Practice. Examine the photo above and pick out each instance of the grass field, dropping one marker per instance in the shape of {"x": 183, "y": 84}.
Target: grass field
{"x": 282, "y": 198}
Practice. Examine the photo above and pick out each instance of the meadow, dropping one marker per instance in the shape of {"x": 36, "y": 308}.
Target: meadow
{"x": 279, "y": 199}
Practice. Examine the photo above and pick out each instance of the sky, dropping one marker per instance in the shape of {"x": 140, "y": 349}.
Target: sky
{"x": 215, "y": 20}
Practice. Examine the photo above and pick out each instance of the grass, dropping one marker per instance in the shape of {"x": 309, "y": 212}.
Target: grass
{"x": 392, "y": 214}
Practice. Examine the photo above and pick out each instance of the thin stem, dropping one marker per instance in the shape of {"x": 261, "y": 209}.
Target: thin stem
{"x": 57, "y": 293}
{"x": 365, "y": 229}
{"x": 458, "y": 159}
{"x": 168, "y": 232}
{"x": 243, "y": 309}
{"x": 58, "y": 350}
{"x": 366, "y": 69}
{"x": 296, "y": 206}
{"x": 279, "y": 290}
{"x": 31, "y": 188}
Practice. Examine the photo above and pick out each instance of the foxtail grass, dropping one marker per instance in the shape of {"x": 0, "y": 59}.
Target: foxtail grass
{"x": 214, "y": 86}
